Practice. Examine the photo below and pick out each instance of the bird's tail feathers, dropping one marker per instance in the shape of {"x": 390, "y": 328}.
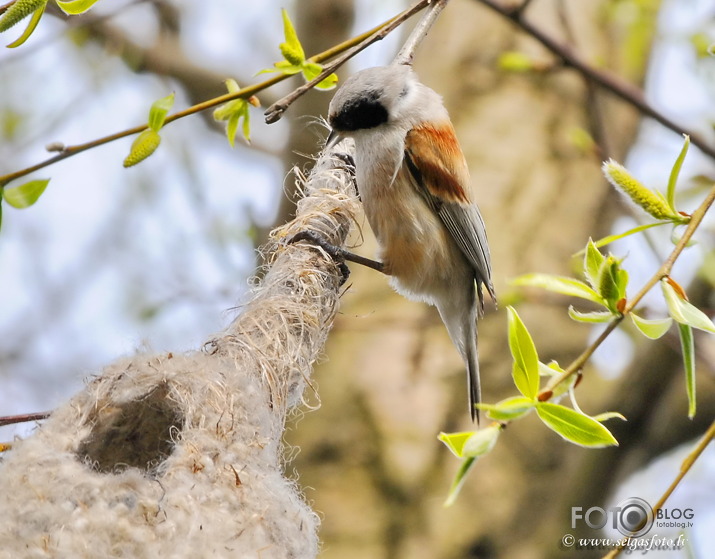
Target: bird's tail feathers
{"x": 460, "y": 318}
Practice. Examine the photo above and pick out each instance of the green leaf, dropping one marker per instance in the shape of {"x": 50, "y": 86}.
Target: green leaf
{"x": 246, "y": 127}
{"x": 611, "y": 282}
{"x": 575, "y": 427}
{"x": 469, "y": 445}
{"x": 291, "y": 49}
{"x": 312, "y": 70}
{"x": 675, "y": 172}
{"x": 687, "y": 344}
{"x": 232, "y": 85}
{"x": 559, "y": 284}
{"x": 591, "y": 317}
{"x": 229, "y": 109}
{"x": 142, "y": 147}
{"x": 526, "y": 360}
{"x": 282, "y": 67}
{"x": 232, "y": 128}
{"x": 287, "y": 68}
{"x": 612, "y": 238}
{"x": 25, "y": 195}
{"x": 605, "y": 416}
{"x": 554, "y": 369}
{"x": 653, "y": 328}
{"x": 232, "y": 112}
{"x": 508, "y": 409}
{"x": 159, "y": 109}
{"x": 19, "y": 10}
{"x": 514, "y": 61}
{"x": 592, "y": 261}
{"x": 458, "y": 481}
{"x": 683, "y": 312}
{"x": 701, "y": 44}
{"x": 455, "y": 441}
{"x": 550, "y": 370}
{"x": 31, "y": 26}
{"x": 481, "y": 442}
{"x": 75, "y": 7}
{"x": 582, "y": 140}
{"x": 330, "y": 82}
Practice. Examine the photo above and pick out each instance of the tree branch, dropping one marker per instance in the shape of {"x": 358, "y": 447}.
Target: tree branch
{"x": 23, "y": 418}
{"x": 606, "y": 80}
{"x": 578, "y": 363}
{"x": 276, "y": 110}
{"x": 407, "y": 52}
{"x": 244, "y": 93}
{"x": 685, "y": 466}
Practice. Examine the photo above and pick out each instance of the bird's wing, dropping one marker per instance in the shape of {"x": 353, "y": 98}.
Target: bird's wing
{"x": 439, "y": 172}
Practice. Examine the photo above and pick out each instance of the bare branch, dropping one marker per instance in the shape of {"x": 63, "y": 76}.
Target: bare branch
{"x": 687, "y": 463}
{"x": 23, "y": 418}
{"x": 407, "y": 52}
{"x": 608, "y": 81}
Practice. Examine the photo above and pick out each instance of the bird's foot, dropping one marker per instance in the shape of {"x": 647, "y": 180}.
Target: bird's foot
{"x": 335, "y": 252}
{"x": 338, "y": 254}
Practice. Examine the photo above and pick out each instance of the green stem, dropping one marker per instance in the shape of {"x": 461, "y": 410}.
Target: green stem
{"x": 685, "y": 467}
{"x": 663, "y": 271}
{"x": 244, "y": 93}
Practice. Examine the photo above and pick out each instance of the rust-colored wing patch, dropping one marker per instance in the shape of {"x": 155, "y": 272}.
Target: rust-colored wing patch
{"x": 437, "y": 157}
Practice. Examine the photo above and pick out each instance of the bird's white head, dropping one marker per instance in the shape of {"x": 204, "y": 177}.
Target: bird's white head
{"x": 373, "y": 98}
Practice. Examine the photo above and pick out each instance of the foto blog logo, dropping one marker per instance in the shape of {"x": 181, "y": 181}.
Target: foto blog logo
{"x": 632, "y": 517}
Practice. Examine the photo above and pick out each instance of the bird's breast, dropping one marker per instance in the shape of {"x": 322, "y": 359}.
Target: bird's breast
{"x": 414, "y": 245}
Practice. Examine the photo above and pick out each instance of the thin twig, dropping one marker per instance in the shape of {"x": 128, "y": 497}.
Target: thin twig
{"x": 407, "y": 52}
{"x": 608, "y": 81}
{"x": 664, "y": 271}
{"x": 685, "y": 467}
{"x": 243, "y": 93}
{"x": 276, "y": 110}
{"x": 521, "y": 8}
{"x": 23, "y": 418}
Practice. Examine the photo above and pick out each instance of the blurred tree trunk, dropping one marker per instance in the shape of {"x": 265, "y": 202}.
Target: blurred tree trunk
{"x": 392, "y": 380}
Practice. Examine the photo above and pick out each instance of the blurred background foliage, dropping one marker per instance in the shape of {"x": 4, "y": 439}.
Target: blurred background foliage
{"x": 161, "y": 255}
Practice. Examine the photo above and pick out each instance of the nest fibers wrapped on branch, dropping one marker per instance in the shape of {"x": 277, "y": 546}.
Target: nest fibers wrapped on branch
{"x": 180, "y": 455}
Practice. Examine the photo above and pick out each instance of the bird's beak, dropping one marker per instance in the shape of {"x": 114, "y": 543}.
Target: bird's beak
{"x": 333, "y": 139}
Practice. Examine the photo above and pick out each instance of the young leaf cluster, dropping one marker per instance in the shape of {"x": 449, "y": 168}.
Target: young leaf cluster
{"x": 468, "y": 446}
{"x": 660, "y": 207}
{"x": 234, "y": 111}
{"x": 20, "y": 9}
{"x": 294, "y": 59}
{"x": 605, "y": 285}
{"x": 570, "y": 423}
{"x": 147, "y": 141}
{"x": 688, "y": 316}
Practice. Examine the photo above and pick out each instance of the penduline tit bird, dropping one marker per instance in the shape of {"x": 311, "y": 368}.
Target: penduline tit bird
{"x": 414, "y": 186}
